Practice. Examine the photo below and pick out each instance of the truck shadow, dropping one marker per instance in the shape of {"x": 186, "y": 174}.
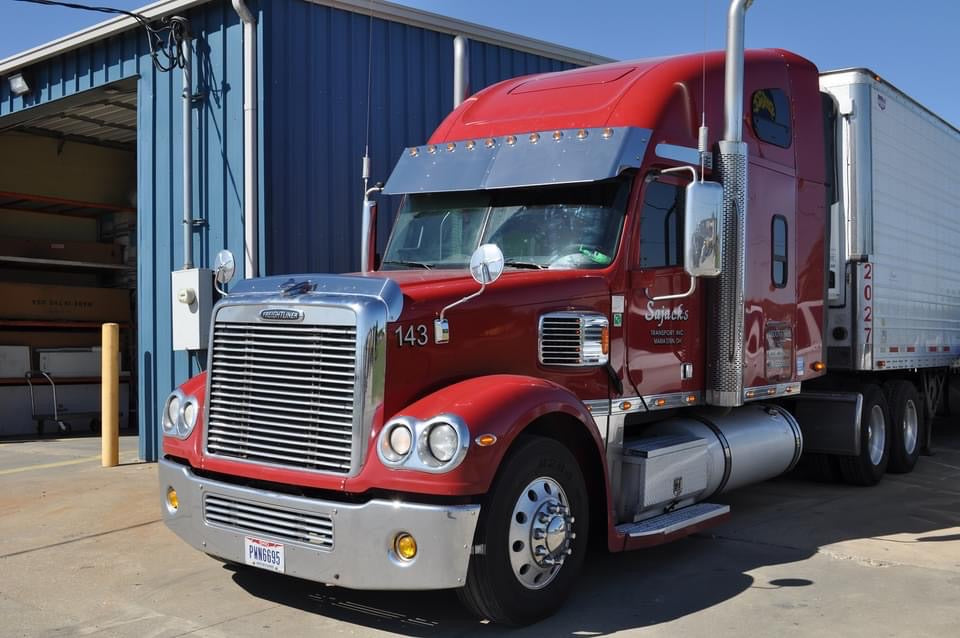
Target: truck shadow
{"x": 775, "y": 526}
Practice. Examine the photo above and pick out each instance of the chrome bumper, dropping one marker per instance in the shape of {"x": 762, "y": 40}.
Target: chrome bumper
{"x": 362, "y": 553}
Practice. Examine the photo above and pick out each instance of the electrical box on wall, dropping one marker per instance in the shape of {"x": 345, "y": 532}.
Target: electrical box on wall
{"x": 192, "y": 303}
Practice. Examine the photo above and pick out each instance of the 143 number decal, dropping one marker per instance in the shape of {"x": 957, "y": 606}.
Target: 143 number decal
{"x": 412, "y": 336}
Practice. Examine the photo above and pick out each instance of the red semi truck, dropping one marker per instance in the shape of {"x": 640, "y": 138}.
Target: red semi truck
{"x": 594, "y": 315}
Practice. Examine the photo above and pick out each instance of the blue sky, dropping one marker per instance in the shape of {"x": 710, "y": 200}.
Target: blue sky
{"x": 916, "y": 46}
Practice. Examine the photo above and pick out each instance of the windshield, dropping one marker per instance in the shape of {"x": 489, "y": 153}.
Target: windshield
{"x": 569, "y": 226}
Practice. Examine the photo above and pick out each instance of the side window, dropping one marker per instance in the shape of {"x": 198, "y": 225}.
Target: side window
{"x": 660, "y": 233}
{"x": 770, "y": 117}
{"x": 778, "y": 244}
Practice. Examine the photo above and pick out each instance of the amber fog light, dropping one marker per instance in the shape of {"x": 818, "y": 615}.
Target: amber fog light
{"x": 405, "y": 545}
{"x": 173, "y": 502}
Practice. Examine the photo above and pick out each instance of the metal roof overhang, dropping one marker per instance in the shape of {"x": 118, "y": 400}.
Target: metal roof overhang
{"x": 106, "y": 116}
{"x": 377, "y": 8}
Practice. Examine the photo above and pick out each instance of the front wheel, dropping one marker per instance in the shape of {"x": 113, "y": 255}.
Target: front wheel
{"x": 532, "y": 535}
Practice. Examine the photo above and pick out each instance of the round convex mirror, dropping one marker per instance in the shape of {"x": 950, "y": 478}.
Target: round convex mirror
{"x": 486, "y": 264}
{"x": 225, "y": 266}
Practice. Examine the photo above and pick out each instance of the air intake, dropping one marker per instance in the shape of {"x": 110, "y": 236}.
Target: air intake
{"x": 574, "y": 339}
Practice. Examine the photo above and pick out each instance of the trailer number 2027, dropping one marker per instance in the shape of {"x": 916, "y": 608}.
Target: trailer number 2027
{"x": 412, "y": 336}
{"x": 868, "y": 302}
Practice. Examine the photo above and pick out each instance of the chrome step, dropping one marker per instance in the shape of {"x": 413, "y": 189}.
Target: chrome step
{"x": 674, "y": 521}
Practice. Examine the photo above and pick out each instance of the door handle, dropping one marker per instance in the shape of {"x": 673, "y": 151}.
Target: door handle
{"x": 693, "y": 287}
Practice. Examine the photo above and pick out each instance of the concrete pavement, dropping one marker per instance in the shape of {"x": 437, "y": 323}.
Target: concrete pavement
{"x": 84, "y": 553}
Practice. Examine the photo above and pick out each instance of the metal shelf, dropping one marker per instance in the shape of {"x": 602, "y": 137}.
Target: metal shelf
{"x": 48, "y": 264}
{"x": 57, "y": 205}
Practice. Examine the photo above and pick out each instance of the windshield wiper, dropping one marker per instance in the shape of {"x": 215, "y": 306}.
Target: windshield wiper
{"x": 413, "y": 264}
{"x": 524, "y": 264}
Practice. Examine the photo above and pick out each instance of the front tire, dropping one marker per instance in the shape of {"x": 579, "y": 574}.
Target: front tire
{"x": 533, "y": 529}
{"x": 867, "y": 468}
{"x": 906, "y": 425}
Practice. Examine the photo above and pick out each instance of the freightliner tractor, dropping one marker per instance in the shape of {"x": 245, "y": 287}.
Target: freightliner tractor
{"x": 594, "y": 316}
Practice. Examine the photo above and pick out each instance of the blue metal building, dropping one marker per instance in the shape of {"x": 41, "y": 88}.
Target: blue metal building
{"x": 312, "y": 64}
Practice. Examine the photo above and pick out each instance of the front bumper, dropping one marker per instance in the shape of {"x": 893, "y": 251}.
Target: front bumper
{"x": 361, "y": 556}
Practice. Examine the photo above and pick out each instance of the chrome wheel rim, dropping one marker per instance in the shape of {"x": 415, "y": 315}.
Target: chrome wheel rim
{"x": 911, "y": 427}
{"x": 876, "y": 435}
{"x": 541, "y": 533}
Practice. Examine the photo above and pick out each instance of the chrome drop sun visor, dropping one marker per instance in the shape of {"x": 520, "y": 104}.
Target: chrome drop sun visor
{"x": 525, "y": 159}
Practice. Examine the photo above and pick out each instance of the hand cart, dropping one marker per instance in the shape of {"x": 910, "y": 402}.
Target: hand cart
{"x": 62, "y": 421}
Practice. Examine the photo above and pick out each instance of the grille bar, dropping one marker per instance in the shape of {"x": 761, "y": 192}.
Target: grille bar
{"x": 283, "y": 394}
{"x": 282, "y": 523}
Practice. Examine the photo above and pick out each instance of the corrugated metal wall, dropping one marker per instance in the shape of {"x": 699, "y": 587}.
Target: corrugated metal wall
{"x": 313, "y": 113}
{"x": 315, "y": 69}
{"x": 217, "y": 175}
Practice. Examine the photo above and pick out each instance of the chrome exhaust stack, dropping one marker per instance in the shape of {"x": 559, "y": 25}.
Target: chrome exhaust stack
{"x": 726, "y": 338}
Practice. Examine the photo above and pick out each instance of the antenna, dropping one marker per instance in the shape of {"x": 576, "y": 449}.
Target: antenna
{"x": 365, "y": 171}
{"x": 704, "y": 134}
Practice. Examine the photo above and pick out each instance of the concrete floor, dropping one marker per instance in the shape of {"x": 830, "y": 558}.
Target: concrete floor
{"x": 84, "y": 553}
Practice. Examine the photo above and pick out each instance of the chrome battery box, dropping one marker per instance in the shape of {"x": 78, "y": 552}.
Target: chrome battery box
{"x": 659, "y": 471}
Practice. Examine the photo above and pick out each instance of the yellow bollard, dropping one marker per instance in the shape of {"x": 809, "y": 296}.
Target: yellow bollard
{"x": 110, "y": 396}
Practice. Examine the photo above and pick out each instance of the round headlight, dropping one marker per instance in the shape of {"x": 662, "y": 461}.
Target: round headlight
{"x": 171, "y": 413}
{"x": 443, "y": 441}
{"x": 400, "y": 440}
{"x": 189, "y": 416}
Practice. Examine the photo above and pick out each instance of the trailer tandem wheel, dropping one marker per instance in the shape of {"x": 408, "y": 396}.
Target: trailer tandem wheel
{"x": 907, "y": 425}
{"x": 868, "y": 467}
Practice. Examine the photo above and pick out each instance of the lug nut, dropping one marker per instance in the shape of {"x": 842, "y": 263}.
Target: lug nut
{"x": 573, "y": 535}
{"x": 540, "y": 551}
{"x": 544, "y": 518}
{"x": 538, "y": 534}
{"x": 569, "y": 551}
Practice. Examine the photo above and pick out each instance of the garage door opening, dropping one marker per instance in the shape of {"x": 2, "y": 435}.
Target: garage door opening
{"x": 68, "y": 259}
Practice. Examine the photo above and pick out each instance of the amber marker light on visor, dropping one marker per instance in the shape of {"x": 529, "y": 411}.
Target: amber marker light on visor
{"x": 819, "y": 366}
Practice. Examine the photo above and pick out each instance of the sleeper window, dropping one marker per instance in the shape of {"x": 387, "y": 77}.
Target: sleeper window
{"x": 770, "y": 116}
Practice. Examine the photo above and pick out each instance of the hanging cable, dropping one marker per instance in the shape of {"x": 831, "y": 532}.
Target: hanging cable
{"x": 164, "y": 41}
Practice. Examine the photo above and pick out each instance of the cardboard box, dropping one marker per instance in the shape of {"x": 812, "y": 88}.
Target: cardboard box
{"x": 63, "y": 303}
{"x": 14, "y": 361}
{"x": 90, "y": 251}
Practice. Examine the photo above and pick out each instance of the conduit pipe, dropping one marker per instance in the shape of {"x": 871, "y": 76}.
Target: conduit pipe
{"x": 251, "y": 190}
{"x": 187, "y": 53}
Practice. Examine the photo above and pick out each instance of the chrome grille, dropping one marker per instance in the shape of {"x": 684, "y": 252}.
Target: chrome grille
{"x": 283, "y": 394}
{"x": 257, "y": 518}
{"x": 572, "y": 339}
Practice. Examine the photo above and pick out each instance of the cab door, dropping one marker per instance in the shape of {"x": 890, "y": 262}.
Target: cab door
{"x": 664, "y": 338}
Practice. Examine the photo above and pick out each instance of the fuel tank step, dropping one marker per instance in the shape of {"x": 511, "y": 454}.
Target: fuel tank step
{"x": 676, "y": 521}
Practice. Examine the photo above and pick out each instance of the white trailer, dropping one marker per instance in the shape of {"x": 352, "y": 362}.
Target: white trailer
{"x": 892, "y": 321}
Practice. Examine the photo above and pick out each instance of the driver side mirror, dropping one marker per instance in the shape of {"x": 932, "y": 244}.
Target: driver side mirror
{"x": 703, "y": 229}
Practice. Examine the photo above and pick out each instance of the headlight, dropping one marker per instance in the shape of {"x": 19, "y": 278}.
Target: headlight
{"x": 396, "y": 441}
{"x": 171, "y": 413}
{"x": 188, "y": 414}
{"x": 180, "y": 415}
{"x": 434, "y": 445}
{"x": 443, "y": 441}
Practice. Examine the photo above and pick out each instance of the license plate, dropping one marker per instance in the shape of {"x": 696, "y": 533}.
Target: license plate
{"x": 263, "y": 554}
